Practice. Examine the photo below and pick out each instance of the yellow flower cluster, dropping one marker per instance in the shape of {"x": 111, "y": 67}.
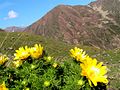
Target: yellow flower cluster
{"x": 3, "y": 59}
{"x": 78, "y": 54}
{"x": 93, "y": 71}
{"x": 23, "y": 53}
{"x": 3, "y": 87}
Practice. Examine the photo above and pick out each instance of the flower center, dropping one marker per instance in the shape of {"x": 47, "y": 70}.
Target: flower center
{"x": 95, "y": 70}
{"x": 24, "y": 53}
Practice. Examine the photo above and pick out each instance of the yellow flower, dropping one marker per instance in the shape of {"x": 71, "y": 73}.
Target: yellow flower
{"x": 46, "y": 83}
{"x": 3, "y": 59}
{"x": 3, "y": 87}
{"x": 17, "y": 63}
{"x": 55, "y": 65}
{"x": 94, "y": 72}
{"x": 78, "y": 54}
{"x": 22, "y": 53}
{"x": 36, "y": 51}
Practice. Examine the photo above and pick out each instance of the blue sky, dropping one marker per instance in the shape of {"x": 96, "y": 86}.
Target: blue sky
{"x": 26, "y": 12}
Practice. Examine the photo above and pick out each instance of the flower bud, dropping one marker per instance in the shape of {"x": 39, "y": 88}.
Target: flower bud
{"x": 80, "y": 82}
{"x": 32, "y": 66}
{"x": 46, "y": 83}
{"x": 55, "y": 65}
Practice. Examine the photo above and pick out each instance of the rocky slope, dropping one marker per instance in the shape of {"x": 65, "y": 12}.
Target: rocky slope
{"x": 94, "y": 24}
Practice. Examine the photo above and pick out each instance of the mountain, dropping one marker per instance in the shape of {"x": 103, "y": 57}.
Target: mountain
{"x": 96, "y": 24}
{"x": 14, "y": 29}
{"x": 1, "y": 30}
{"x": 111, "y": 7}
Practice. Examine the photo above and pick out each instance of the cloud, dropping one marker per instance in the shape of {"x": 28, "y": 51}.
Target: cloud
{"x": 11, "y": 14}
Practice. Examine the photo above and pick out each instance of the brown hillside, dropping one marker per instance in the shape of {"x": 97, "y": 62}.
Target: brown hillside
{"x": 87, "y": 25}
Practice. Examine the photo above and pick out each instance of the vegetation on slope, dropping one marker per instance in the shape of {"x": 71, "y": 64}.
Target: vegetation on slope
{"x": 60, "y": 51}
{"x": 33, "y": 69}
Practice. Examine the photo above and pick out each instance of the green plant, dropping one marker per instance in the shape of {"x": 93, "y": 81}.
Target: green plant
{"x": 43, "y": 72}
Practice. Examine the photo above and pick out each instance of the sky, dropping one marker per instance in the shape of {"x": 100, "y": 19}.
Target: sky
{"x": 23, "y": 13}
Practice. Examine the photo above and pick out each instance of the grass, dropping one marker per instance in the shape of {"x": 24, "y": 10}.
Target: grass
{"x": 60, "y": 51}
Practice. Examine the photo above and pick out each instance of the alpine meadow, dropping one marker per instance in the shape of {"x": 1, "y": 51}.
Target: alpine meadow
{"x": 72, "y": 47}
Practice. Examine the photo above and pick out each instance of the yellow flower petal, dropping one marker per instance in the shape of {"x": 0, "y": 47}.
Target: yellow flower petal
{"x": 90, "y": 83}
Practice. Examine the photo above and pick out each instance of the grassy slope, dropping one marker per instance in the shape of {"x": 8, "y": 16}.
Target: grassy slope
{"x": 60, "y": 51}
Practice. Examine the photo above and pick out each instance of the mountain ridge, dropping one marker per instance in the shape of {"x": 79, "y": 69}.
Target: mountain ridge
{"x": 88, "y": 25}
{"x": 14, "y": 29}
